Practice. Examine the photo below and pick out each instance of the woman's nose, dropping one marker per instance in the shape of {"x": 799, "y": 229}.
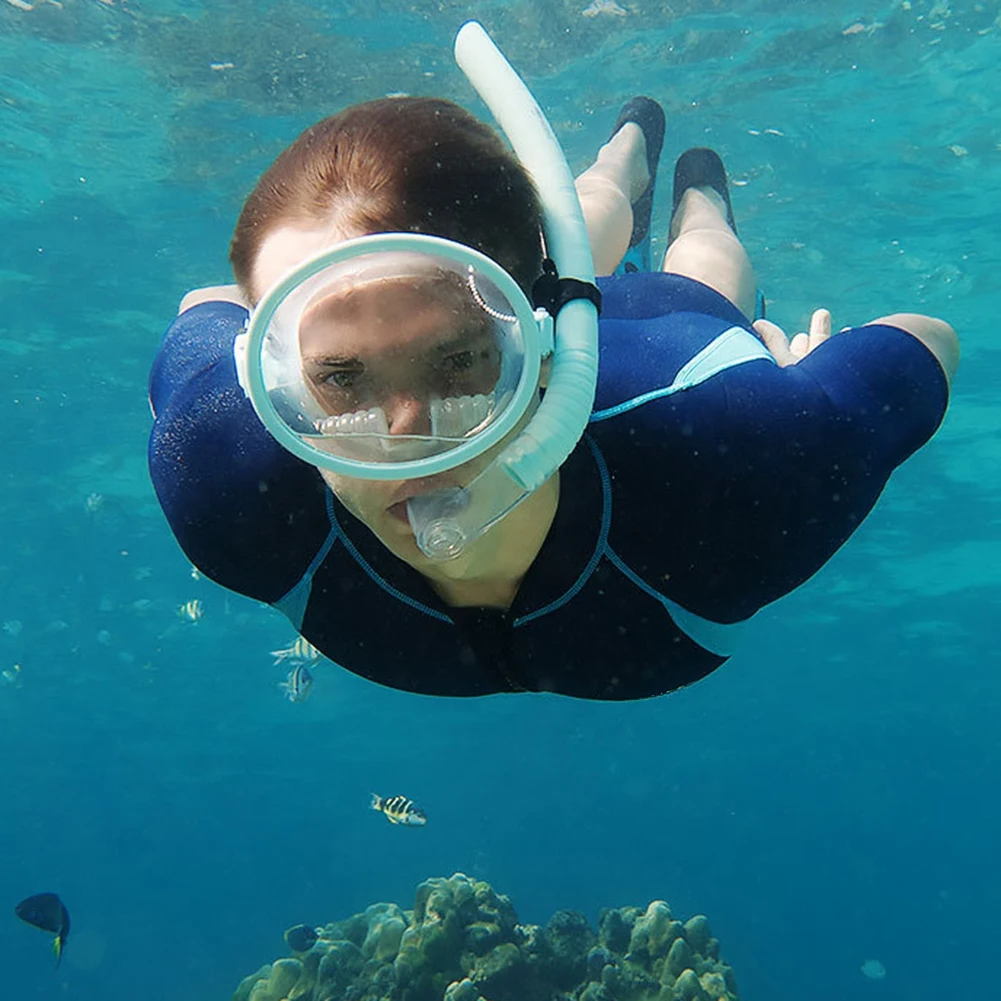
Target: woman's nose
{"x": 408, "y": 414}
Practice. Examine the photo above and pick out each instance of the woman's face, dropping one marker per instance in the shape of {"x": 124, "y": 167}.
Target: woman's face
{"x": 391, "y": 346}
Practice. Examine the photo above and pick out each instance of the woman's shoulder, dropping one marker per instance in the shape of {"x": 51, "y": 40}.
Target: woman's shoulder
{"x": 213, "y": 293}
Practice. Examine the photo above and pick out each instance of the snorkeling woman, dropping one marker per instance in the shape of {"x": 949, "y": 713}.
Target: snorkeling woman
{"x": 459, "y": 464}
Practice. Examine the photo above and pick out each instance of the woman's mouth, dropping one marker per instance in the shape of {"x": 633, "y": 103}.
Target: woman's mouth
{"x": 423, "y": 485}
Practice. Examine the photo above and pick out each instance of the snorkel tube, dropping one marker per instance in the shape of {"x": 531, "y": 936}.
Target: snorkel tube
{"x": 446, "y": 521}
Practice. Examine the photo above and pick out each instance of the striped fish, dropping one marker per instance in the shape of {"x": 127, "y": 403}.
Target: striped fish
{"x": 399, "y": 810}
{"x": 297, "y": 683}
{"x": 191, "y": 610}
{"x": 301, "y": 650}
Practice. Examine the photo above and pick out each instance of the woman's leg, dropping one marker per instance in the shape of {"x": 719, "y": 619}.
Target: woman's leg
{"x": 607, "y": 190}
{"x": 702, "y": 246}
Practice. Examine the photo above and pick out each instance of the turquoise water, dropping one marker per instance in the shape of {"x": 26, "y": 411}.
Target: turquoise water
{"x": 828, "y": 797}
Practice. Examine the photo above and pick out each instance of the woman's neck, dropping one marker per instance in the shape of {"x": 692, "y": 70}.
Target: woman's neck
{"x": 491, "y": 573}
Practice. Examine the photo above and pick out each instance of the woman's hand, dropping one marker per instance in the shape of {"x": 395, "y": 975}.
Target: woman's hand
{"x": 788, "y": 352}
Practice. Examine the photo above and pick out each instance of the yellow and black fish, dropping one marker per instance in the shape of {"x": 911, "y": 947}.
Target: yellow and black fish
{"x": 399, "y": 810}
{"x": 47, "y": 911}
{"x": 191, "y": 611}
{"x": 299, "y": 650}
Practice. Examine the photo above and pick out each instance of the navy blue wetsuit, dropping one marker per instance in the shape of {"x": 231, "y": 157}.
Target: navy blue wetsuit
{"x": 710, "y": 483}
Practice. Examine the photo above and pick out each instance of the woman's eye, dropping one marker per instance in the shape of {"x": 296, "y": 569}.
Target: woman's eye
{"x": 342, "y": 378}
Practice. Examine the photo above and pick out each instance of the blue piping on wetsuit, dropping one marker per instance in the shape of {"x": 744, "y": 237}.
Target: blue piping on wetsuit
{"x": 293, "y": 603}
{"x": 734, "y": 346}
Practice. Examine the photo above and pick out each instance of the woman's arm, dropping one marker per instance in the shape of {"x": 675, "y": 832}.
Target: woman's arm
{"x": 936, "y": 335}
{"x": 247, "y": 513}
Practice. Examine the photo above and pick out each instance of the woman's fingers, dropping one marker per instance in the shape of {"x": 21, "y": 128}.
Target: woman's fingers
{"x": 775, "y": 340}
{"x": 787, "y": 352}
{"x": 820, "y": 328}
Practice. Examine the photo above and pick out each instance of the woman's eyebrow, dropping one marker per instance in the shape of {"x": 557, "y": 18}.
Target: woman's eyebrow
{"x": 464, "y": 338}
{"x": 333, "y": 360}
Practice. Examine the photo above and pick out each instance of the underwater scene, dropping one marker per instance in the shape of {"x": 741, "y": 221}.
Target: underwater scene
{"x": 196, "y": 805}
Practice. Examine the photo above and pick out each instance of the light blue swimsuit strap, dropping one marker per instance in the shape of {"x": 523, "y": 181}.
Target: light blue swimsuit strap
{"x": 734, "y": 346}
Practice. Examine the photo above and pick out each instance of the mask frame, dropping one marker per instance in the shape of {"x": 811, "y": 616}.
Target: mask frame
{"x": 536, "y": 328}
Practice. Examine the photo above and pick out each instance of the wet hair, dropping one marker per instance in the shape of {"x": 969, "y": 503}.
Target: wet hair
{"x": 419, "y": 165}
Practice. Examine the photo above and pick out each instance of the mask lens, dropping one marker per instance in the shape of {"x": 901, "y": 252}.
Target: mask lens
{"x": 400, "y": 356}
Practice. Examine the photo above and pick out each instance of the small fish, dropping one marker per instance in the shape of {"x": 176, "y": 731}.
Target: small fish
{"x": 399, "y": 810}
{"x": 859, "y": 28}
{"x": 300, "y": 650}
{"x": 297, "y": 683}
{"x": 12, "y": 675}
{"x": 301, "y": 938}
{"x": 47, "y": 912}
{"x": 873, "y": 969}
{"x": 191, "y": 610}
{"x": 604, "y": 7}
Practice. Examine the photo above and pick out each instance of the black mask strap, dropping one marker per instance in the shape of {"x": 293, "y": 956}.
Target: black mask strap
{"x": 552, "y": 293}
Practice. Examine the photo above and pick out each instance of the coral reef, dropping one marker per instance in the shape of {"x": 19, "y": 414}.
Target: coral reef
{"x": 463, "y": 942}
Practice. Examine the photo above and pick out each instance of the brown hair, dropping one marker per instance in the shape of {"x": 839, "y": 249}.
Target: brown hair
{"x": 420, "y": 165}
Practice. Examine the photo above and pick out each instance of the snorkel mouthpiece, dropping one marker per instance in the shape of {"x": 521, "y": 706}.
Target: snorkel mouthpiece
{"x": 433, "y": 520}
{"x": 445, "y": 522}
